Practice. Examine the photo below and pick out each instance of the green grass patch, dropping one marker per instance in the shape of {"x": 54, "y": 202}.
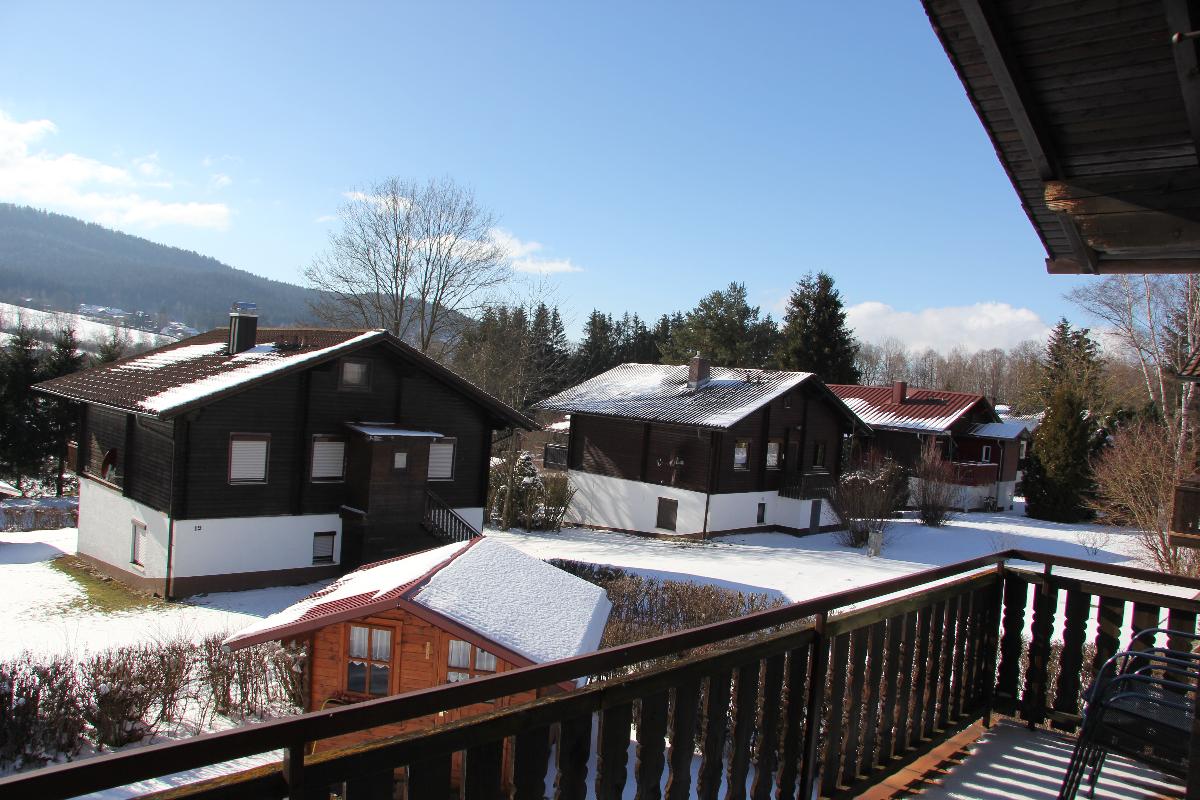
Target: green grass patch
{"x": 101, "y": 593}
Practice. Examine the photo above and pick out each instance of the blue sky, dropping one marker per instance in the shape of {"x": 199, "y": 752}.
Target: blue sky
{"x": 661, "y": 150}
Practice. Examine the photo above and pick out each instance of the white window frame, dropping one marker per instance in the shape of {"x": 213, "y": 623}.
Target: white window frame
{"x": 137, "y": 543}
{"x": 985, "y": 455}
{"x": 331, "y": 536}
{"x": 743, "y": 463}
{"x": 366, "y": 375}
{"x": 266, "y": 468}
{"x": 322, "y": 438}
{"x": 1024, "y": 448}
{"x": 453, "y": 442}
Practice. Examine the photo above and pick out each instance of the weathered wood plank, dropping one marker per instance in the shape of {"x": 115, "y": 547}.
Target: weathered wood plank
{"x": 1066, "y": 694}
{"x": 574, "y": 747}
{"x": 908, "y": 654}
{"x": 430, "y": 777}
{"x": 950, "y": 636}
{"x": 793, "y": 736}
{"x": 685, "y": 709}
{"x": 612, "y": 758}
{"x": 531, "y": 760}
{"x": 745, "y": 706}
{"x": 1016, "y": 590}
{"x": 962, "y": 637}
{"x": 1033, "y": 702}
{"x": 871, "y": 720}
{"x": 482, "y": 766}
{"x": 889, "y": 697}
{"x": 854, "y": 705}
{"x": 921, "y": 678}
{"x": 651, "y": 745}
{"x": 712, "y": 755}
{"x": 766, "y": 752}
{"x": 1145, "y": 616}
{"x": 1109, "y": 619}
{"x": 937, "y": 622}
{"x": 832, "y": 761}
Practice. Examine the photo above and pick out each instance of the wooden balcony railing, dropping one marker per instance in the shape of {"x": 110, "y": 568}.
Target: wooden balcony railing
{"x": 780, "y": 703}
{"x": 554, "y": 456}
{"x": 809, "y": 486}
{"x": 444, "y": 522}
{"x": 975, "y": 474}
{"x": 1185, "y": 515}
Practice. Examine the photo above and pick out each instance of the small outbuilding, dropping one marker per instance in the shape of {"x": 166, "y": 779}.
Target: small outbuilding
{"x": 443, "y": 615}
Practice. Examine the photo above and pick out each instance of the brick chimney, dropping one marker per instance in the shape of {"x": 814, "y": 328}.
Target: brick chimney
{"x": 899, "y": 392}
{"x": 699, "y": 371}
{"x": 243, "y": 327}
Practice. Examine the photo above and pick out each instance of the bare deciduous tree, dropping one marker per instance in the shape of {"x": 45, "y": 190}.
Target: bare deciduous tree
{"x": 409, "y": 258}
{"x": 935, "y": 491}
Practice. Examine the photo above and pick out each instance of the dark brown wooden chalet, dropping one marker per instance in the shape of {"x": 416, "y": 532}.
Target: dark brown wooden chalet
{"x": 244, "y": 458}
{"x": 984, "y": 450}
{"x": 701, "y": 451}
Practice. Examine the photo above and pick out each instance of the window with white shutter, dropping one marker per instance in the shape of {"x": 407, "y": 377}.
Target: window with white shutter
{"x": 137, "y": 546}
{"x": 323, "y": 547}
{"x": 248, "y": 457}
{"x": 441, "y": 460}
{"x": 328, "y": 458}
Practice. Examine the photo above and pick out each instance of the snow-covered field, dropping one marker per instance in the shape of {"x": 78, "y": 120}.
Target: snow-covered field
{"x": 89, "y": 331}
{"x": 801, "y": 568}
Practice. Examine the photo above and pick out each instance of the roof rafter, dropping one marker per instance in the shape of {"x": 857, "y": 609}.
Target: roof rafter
{"x": 1187, "y": 64}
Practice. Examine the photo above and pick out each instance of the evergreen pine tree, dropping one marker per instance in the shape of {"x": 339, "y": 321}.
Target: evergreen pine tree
{"x": 62, "y": 419}
{"x": 23, "y": 437}
{"x": 1072, "y": 358}
{"x": 1058, "y": 479}
{"x": 727, "y": 329}
{"x": 599, "y": 350}
{"x": 815, "y": 336}
{"x": 111, "y": 349}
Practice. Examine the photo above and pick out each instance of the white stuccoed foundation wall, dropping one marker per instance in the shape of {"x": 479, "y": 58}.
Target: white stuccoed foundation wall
{"x": 472, "y": 515}
{"x": 106, "y": 529}
{"x": 250, "y": 544}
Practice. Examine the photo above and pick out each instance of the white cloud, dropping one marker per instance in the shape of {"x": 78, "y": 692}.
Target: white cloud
{"x": 514, "y": 247}
{"x": 975, "y": 327}
{"x": 545, "y": 266}
{"x": 325, "y": 218}
{"x": 219, "y": 180}
{"x": 377, "y": 200}
{"x": 89, "y": 188}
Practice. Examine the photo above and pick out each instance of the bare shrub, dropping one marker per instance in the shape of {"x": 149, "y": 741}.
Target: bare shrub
{"x": 1135, "y": 486}
{"x": 217, "y": 672}
{"x": 287, "y": 668}
{"x": 557, "y": 499}
{"x": 251, "y": 681}
{"x": 1092, "y": 539}
{"x": 120, "y": 691}
{"x": 41, "y": 711}
{"x": 865, "y": 499}
{"x": 170, "y": 665}
{"x": 935, "y": 492}
{"x": 520, "y": 496}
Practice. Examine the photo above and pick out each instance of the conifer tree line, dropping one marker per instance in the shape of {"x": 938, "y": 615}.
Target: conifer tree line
{"x": 35, "y": 428}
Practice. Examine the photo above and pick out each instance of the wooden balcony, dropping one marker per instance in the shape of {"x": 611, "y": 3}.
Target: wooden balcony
{"x": 1185, "y": 514}
{"x": 810, "y": 486}
{"x": 976, "y": 474}
{"x": 834, "y": 697}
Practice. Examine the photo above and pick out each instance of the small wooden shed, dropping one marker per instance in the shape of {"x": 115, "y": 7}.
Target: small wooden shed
{"x": 443, "y": 615}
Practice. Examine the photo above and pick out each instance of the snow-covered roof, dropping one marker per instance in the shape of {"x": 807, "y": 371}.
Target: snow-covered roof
{"x": 7, "y": 488}
{"x": 922, "y": 411}
{"x": 380, "y": 429}
{"x": 508, "y": 598}
{"x": 660, "y": 393}
{"x": 997, "y": 430}
{"x": 180, "y": 376}
{"x": 1029, "y": 422}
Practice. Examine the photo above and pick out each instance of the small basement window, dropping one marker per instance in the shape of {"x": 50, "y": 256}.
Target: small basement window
{"x": 441, "y": 460}
{"x": 986, "y": 456}
{"x": 328, "y": 458}
{"x": 248, "y": 453}
{"x": 369, "y": 663}
{"x": 465, "y": 661}
{"x": 323, "y": 542}
{"x": 762, "y": 513}
{"x": 355, "y": 374}
{"x": 137, "y": 544}
{"x": 774, "y": 454}
{"x": 668, "y": 513}
{"x": 741, "y": 454}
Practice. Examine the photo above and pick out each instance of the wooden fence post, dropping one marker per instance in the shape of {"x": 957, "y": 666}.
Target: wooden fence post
{"x": 810, "y": 771}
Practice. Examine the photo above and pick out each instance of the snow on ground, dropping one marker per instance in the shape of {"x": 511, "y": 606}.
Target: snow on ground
{"x": 801, "y": 568}
{"x": 46, "y": 612}
{"x": 89, "y": 331}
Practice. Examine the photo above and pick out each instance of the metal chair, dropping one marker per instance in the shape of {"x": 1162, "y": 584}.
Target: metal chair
{"x": 1140, "y": 705}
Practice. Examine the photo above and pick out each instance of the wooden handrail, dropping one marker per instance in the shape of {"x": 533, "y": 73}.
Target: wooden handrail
{"x": 444, "y": 522}
{"x": 121, "y": 768}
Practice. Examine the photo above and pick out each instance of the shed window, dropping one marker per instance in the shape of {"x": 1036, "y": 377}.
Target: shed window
{"x": 762, "y": 514}
{"x": 355, "y": 374}
{"x": 741, "y": 454}
{"x": 465, "y": 661}
{"x": 323, "y": 542}
{"x": 328, "y": 458}
{"x": 668, "y": 513}
{"x": 986, "y": 456}
{"x": 248, "y": 454}
{"x": 819, "y": 454}
{"x": 137, "y": 544}
{"x": 441, "y": 460}
{"x": 400, "y": 460}
{"x": 774, "y": 454}
{"x": 1023, "y": 443}
{"x": 369, "y": 666}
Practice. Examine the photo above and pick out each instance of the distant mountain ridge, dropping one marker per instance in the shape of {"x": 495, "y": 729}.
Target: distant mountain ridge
{"x": 60, "y": 262}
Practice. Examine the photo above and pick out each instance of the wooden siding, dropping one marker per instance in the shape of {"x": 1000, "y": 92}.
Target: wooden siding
{"x": 150, "y": 462}
{"x": 603, "y": 446}
{"x": 428, "y": 404}
{"x": 105, "y": 430}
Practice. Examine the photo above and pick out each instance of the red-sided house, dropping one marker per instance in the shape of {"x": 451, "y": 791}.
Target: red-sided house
{"x": 964, "y": 426}
{"x": 448, "y": 614}
{"x": 702, "y": 451}
{"x": 254, "y": 457}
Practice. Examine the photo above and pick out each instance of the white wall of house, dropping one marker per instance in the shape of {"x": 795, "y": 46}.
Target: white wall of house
{"x": 631, "y": 505}
{"x": 974, "y": 498}
{"x": 106, "y": 529}
{"x": 250, "y": 544}
{"x": 472, "y": 515}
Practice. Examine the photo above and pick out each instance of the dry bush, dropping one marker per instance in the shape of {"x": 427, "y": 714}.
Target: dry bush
{"x": 119, "y": 686}
{"x": 41, "y": 711}
{"x": 287, "y": 668}
{"x": 935, "y": 492}
{"x": 1135, "y": 487}
{"x": 252, "y": 681}
{"x": 521, "y": 497}
{"x": 865, "y": 499}
{"x": 171, "y": 665}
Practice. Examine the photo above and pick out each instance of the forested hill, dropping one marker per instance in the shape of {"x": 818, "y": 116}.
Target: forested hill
{"x": 60, "y": 261}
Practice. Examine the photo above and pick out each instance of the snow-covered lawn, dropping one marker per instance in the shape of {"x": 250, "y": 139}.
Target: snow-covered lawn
{"x": 801, "y": 568}
{"x": 46, "y": 611}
